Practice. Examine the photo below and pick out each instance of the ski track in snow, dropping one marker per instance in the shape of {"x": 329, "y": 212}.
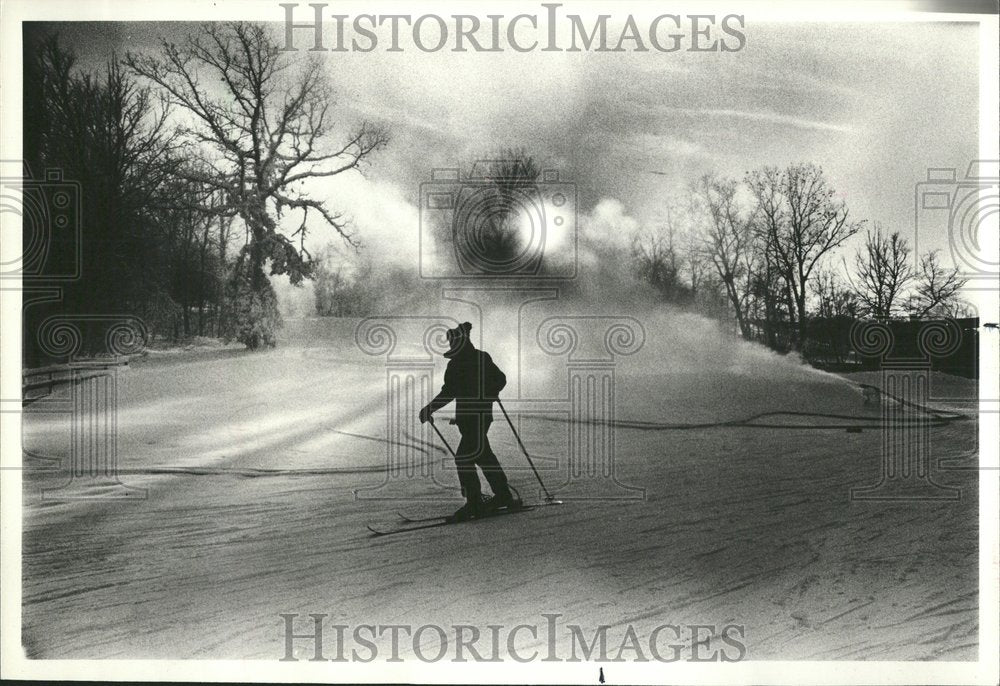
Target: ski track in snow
{"x": 251, "y": 463}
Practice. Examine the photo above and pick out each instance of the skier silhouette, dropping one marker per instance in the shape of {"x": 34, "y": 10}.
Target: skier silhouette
{"x": 473, "y": 381}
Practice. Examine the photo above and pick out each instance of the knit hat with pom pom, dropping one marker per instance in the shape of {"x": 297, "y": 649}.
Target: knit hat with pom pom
{"x": 458, "y": 336}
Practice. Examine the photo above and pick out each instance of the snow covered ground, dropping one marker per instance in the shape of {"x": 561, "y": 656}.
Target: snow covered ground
{"x": 251, "y": 461}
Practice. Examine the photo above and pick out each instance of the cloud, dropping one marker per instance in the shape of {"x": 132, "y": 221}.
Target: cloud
{"x": 876, "y": 105}
{"x": 608, "y": 222}
{"x": 760, "y": 115}
{"x": 605, "y": 234}
{"x": 657, "y": 145}
{"x": 379, "y": 216}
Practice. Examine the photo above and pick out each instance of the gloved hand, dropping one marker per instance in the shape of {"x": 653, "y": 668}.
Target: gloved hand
{"x": 425, "y": 414}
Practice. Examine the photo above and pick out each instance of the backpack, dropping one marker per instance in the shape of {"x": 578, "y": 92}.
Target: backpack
{"x": 494, "y": 380}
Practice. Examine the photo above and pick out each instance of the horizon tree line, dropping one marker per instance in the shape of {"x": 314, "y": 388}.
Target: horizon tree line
{"x": 768, "y": 245}
{"x": 188, "y": 158}
{"x": 760, "y": 252}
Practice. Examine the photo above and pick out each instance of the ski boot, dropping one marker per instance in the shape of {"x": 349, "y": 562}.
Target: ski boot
{"x": 504, "y": 500}
{"x": 471, "y": 510}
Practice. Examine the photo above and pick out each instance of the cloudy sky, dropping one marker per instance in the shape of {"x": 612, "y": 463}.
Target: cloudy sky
{"x": 874, "y": 104}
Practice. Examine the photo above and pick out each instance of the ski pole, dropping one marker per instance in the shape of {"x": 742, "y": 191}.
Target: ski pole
{"x": 443, "y": 439}
{"x": 548, "y": 496}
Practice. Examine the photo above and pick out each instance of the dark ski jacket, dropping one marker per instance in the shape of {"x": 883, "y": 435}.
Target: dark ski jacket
{"x": 472, "y": 380}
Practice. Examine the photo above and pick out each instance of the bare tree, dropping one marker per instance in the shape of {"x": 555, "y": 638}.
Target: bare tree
{"x": 770, "y": 303}
{"x": 100, "y": 127}
{"x": 692, "y": 259}
{"x": 937, "y": 289}
{"x": 490, "y": 227}
{"x": 884, "y": 271}
{"x": 260, "y": 124}
{"x": 836, "y": 308}
{"x": 798, "y": 217}
{"x": 328, "y": 288}
{"x": 727, "y": 240}
{"x": 654, "y": 257}
{"x": 834, "y": 297}
{"x": 773, "y": 287}
{"x": 660, "y": 256}
{"x": 682, "y": 247}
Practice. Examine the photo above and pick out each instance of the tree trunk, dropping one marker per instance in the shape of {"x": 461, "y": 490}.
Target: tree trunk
{"x": 792, "y": 318}
{"x": 220, "y": 280}
{"x": 201, "y": 282}
{"x": 800, "y": 305}
{"x": 260, "y": 226}
{"x": 185, "y": 281}
{"x": 770, "y": 315}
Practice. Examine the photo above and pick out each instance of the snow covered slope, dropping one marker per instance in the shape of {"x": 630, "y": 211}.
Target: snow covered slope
{"x": 251, "y": 461}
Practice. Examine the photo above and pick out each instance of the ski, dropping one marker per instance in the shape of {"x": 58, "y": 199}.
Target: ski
{"x": 407, "y": 519}
{"x": 432, "y": 522}
{"x": 417, "y": 520}
{"x": 403, "y": 529}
